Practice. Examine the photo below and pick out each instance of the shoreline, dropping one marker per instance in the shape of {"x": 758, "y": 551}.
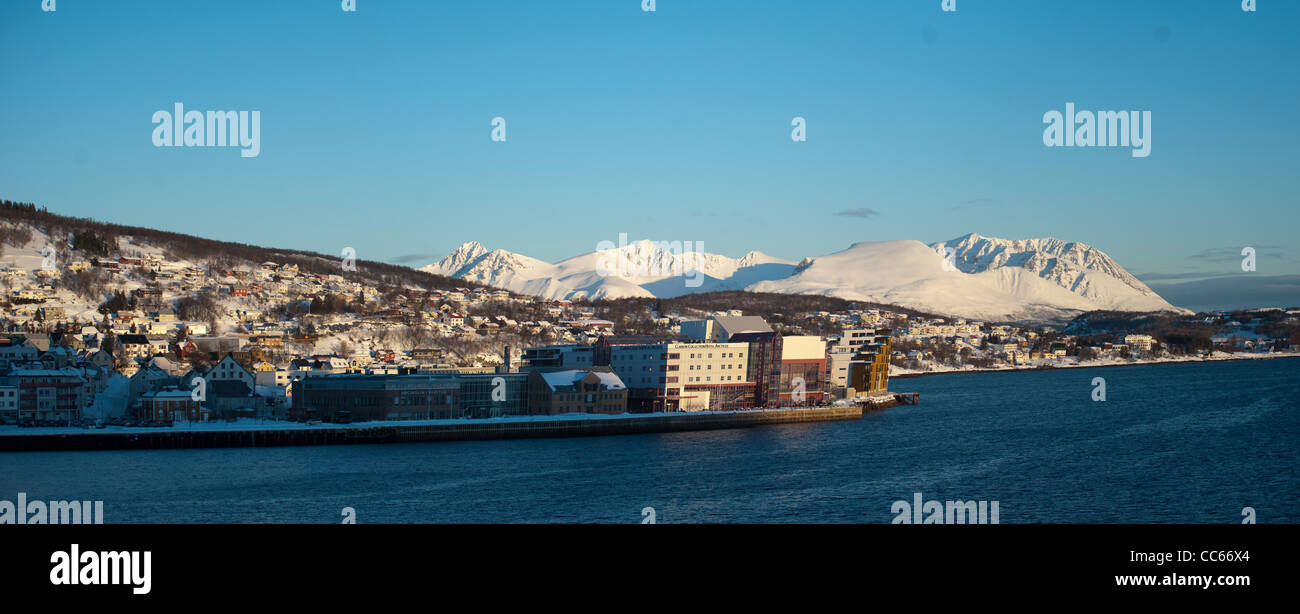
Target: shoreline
{"x": 1092, "y": 366}
{"x": 424, "y": 431}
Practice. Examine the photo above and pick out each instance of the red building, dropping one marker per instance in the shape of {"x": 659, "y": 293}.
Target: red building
{"x": 171, "y": 405}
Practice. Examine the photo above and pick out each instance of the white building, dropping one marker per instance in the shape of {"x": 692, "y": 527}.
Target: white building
{"x": 1139, "y": 342}
{"x": 688, "y": 376}
{"x": 8, "y": 400}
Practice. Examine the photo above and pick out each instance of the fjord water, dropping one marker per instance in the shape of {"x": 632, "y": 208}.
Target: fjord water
{"x": 1190, "y": 442}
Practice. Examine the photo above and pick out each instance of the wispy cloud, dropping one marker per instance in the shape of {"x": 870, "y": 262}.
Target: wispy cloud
{"x": 1172, "y": 276}
{"x": 862, "y": 212}
{"x": 409, "y": 258}
{"x": 1230, "y": 254}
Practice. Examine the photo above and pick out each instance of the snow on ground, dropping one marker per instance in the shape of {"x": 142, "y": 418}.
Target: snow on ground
{"x": 1071, "y": 363}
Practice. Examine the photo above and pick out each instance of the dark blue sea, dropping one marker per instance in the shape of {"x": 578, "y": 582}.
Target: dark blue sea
{"x": 1190, "y": 442}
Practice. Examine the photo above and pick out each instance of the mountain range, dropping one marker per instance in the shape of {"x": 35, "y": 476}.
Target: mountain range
{"x": 971, "y": 276}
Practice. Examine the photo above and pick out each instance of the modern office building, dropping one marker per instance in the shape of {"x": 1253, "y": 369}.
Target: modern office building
{"x": 787, "y": 371}
{"x": 669, "y": 376}
{"x": 488, "y": 395}
{"x": 869, "y": 369}
{"x": 841, "y": 352}
{"x": 357, "y": 398}
{"x": 410, "y": 396}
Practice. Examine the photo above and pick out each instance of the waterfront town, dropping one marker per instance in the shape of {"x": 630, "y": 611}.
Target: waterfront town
{"x": 123, "y": 331}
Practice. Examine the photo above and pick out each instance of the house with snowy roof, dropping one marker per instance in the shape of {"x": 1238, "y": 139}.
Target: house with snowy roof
{"x": 566, "y": 391}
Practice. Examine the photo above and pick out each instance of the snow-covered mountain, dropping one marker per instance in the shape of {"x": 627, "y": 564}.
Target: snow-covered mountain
{"x": 988, "y": 279}
{"x": 984, "y": 278}
{"x": 1077, "y": 267}
{"x": 641, "y": 269}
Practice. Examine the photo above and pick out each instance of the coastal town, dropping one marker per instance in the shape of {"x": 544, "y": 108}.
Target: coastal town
{"x": 102, "y": 330}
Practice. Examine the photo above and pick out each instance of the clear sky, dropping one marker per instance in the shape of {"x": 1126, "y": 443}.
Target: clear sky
{"x": 671, "y": 125}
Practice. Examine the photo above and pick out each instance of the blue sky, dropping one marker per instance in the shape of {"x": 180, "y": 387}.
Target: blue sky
{"x": 671, "y": 125}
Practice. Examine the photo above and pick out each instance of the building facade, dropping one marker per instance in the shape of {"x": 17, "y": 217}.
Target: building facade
{"x": 684, "y": 376}
{"x": 356, "y": 398}
{"x": 46, "y": 394}
{"x": 869, "y": 369}
{"x": 567, "y": 391}
{"x": 170, "y": 406}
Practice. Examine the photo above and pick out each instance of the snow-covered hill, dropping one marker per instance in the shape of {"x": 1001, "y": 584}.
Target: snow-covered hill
{"x": 1077, "y": 267}
{"x": 991, "y": 279}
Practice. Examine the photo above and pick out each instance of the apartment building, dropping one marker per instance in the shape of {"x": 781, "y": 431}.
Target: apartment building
{"x": 49, "y": 394}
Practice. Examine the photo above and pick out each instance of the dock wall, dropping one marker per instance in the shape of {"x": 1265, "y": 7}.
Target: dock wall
{"x": 404, "y": 433}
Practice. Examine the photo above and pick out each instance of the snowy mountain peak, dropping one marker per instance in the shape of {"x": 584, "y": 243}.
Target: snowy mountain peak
{"x": 1069, "y": 264}
{"x": 995, "y": 279}
{"x": 457, "y": 260}
{"x": 754, "y": 258}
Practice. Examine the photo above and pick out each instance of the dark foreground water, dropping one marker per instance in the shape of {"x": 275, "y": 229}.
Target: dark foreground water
{"x": 1172, "y": 443}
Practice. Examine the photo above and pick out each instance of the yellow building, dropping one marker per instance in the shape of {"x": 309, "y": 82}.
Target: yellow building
{"x": 869, "y": 369}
